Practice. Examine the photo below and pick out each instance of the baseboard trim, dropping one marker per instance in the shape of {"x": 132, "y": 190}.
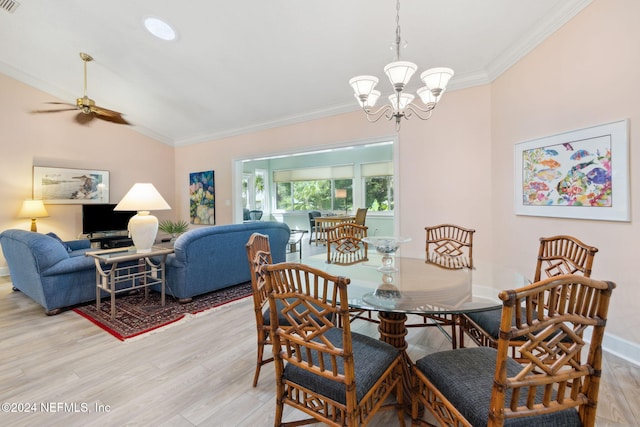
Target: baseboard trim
{"x": 4, "y": 271}
{"x": 620, "y": 347}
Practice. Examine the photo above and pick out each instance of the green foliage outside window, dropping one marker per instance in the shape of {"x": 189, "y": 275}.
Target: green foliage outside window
{"x": 379, "y": 193}
{"x": 320, "y": 195}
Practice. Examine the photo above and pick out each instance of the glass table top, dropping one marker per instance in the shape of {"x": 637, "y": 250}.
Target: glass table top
{"x": 422, "y": 288}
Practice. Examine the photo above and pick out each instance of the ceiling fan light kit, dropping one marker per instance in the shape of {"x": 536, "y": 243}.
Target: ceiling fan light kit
{"x": 400, "y": 102}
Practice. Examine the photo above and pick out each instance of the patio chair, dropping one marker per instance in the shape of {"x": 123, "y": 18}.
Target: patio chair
{"x": 550, "y": 386}
{"x": 361, "y": 216}
{"x": 255, "y": 215}
{"x": 312, "y": 225}
{"x": 331, "y": 374}
{"x": 557, "y": 255}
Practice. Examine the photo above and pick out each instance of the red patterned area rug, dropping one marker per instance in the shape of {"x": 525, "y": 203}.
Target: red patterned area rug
{"x": 136, "y": 315}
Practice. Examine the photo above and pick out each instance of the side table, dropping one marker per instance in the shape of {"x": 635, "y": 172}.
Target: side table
{"x": 112, "y": 278}
{"x": 295, "y": 241}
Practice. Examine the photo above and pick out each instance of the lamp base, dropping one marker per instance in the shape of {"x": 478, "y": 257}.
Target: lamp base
{"x": 143, "y": 229}
{"x": 34, "y": 227}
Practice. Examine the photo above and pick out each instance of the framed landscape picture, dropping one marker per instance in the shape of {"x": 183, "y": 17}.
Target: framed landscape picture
{"x": 202, "y": 198}
{"x": 580, "y": 174}
{"x": 70, "y": 186}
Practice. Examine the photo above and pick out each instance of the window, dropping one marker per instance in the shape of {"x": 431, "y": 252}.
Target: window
{"x": 312, "y": 188}
{"x": 378, "y": 186}
{"x": 311, "y": 195}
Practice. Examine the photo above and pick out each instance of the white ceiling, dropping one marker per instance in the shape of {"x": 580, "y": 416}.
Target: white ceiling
{"x": 244, "y": 65}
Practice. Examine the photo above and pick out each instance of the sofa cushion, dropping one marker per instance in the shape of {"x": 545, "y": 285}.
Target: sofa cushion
{"x": 62, "y": 242}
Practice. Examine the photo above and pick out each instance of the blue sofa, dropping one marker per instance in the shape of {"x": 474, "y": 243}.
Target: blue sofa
{"x": 53, "y": 273}
{"x": 211, "y": 258}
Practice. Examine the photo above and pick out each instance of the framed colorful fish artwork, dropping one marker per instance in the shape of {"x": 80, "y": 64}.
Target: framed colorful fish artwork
{"x": 580, "y": 174}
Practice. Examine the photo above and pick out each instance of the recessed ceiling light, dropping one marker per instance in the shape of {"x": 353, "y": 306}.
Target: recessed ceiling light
{"x": 160, "y": 29}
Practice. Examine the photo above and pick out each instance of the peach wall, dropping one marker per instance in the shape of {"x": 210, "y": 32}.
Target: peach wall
{"x": 56, "y": 140}
{"x": 443, "y": 169}
{"x": 586, "y": 74}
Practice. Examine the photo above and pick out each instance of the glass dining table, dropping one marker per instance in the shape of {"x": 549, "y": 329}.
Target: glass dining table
{"x": 416, "y": 286}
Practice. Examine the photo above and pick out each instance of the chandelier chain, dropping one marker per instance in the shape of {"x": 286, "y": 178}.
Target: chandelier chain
{"x": 398, "y": 38}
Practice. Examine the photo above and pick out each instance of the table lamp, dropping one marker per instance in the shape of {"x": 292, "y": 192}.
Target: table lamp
{"x": 33, "y": 209}
{"x": 341, "y": 193}
{"x": 143, "y": 227}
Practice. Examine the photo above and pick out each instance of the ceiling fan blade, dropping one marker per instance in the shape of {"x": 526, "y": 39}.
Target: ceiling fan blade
{"x": 52, "y": 111}
{"x": 62, "y": 103}
{"x": 109, "y": 115}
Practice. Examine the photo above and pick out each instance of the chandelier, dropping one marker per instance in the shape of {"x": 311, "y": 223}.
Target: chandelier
{"x": 400, "y": 102}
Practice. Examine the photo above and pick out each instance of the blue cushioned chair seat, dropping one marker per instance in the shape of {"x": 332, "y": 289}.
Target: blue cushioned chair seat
{"x": 371, "y": 358}
{"x": 266, "y": 317}
{"x": 488, "y": 320}
{"x": 465, "y": 378}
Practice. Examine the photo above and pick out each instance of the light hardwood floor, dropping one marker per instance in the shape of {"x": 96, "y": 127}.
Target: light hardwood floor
{"x": 196, "y": 373}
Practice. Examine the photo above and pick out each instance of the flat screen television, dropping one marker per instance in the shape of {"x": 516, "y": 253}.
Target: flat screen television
{"x": 101, "y": 218}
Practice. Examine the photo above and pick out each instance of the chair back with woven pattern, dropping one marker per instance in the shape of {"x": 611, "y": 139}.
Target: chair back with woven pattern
{"x": 563, "y": 255}
{"x": 552, "y": 375}
{"x": 319, "y": 377}
{"x": 259, "y": 255}
{"x": 361, "y": 216}
{"x": 345, "y": 245}
{"x": 449, "y": 246}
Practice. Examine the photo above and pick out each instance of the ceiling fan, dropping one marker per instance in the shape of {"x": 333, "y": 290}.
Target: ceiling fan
{"x": 87, "y": 106}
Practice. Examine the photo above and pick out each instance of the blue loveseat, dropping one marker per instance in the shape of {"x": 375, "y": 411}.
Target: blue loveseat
{"x": 53, "y": 273}
{"x": 211, "y": 258}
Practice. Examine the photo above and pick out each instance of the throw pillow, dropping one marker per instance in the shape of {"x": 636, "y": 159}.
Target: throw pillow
{"x": 62, "y": 242}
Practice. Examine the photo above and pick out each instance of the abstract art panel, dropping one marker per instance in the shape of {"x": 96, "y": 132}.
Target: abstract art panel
{"x": 202, "y": 198}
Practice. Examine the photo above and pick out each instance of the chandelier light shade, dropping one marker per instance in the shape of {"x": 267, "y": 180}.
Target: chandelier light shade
{"x": 33, "y": 209}
{"x": 399, "y": 73}
{"x": 143, "y": 227}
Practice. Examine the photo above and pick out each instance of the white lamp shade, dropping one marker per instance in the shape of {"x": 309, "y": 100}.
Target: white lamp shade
{"x": 143, "y": 228}
{"x": 437, "y": 78}
{"x": 363, "y": 85}
{"x": 400, "y": 72}
{"x": 341, "y": 193}
{"x": 33, "y": 209}
{"x": 371, "y": 99}
{"x": 142, "y": 197}
{"x": 427, "y": 96}
{"x": 405, "y": 99}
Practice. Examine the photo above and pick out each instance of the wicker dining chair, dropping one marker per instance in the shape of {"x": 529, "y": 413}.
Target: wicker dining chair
{"x": 449, "y": 246}
{"x": 335, "y": 376}
{"x": 345, "y": 245}
{"x": 259, "y": 255}
{"x": 557, "y": 255}
{"x": 484, "y": 386}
